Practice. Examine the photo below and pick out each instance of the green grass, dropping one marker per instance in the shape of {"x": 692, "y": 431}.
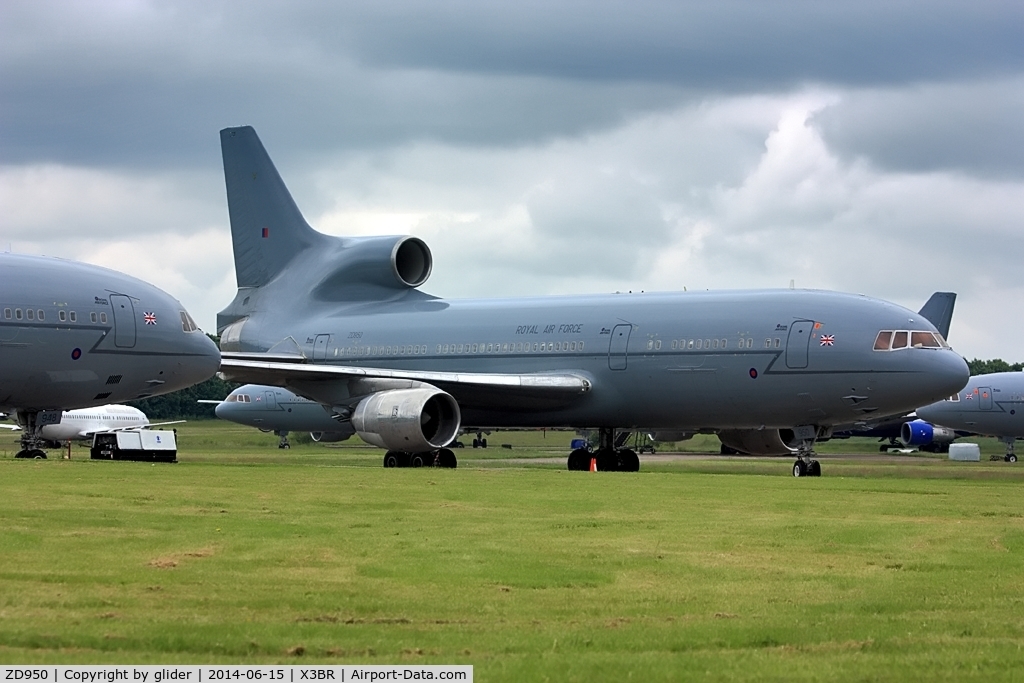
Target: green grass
{"x": 703, "y": 567}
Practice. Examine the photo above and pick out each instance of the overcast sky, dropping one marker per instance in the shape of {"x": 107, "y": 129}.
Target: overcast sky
{"x": 539, "y": 147}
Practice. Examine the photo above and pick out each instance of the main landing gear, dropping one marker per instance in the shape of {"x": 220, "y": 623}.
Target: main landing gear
{"x": 283, "y": 443}
{"x": 443, "y": 457}
{"x": 31, "y": 441}
{"x": 1010, "y": 455}
{"x": 610, "y": 455}
{"x": 805, "y": 466}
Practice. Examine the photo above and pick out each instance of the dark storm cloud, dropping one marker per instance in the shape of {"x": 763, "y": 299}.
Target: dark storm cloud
{"x": 127, "y": 83}
{"x": 711, "y": 44}
{"x": 975, "y": 128}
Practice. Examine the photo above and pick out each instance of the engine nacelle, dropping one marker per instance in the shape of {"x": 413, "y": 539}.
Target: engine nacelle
{"x": 922, "y": 433}
{"x": 329, "y": 437}
{"x": 758, "y": 441}
{"x": 409, "y": 420}
{"x": 364, "y": 264}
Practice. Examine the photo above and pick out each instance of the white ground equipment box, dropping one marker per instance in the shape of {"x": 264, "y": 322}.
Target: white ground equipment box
{"x": 150, "y": 445}
{"x": 969, "y": 452}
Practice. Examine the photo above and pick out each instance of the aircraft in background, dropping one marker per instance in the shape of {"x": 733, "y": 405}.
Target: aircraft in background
{"x": 75, "y": 336}
{"x": 82, "y": 423}
{"x": 277, "y": 410}
{"x": 341, "y": 320}
{"x": 991, "y": 405}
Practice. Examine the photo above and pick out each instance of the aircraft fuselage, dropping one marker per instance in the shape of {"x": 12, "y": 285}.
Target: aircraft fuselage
{"x": 738, "y": 359}
{"x": 74, "y": 335}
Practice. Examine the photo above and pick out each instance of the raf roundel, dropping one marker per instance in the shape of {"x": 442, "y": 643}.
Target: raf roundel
{"x": 753, "y": 373}
{"x": 76, "y": 354}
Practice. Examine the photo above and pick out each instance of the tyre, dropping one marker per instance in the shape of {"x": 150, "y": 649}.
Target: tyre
{"x": 418, "y": 460}
{"x": 445, "y": 458}
{"x": 629, "y": 461}
{"x": 799, "y": 469}
{"x": 1011, "y": 458}
{"x": 815, "y": 469}
{"x": 579, "y": 460}
{"x": 391, "y": 459}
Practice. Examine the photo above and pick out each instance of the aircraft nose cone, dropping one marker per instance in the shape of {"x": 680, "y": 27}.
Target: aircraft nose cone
{"x": 951, "y": 375}
{"x": 206, "y": 359}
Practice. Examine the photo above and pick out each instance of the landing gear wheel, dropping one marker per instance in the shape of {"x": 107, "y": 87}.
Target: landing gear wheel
{"x": 284, "y": 445}
{"x": 799, "y": 469}
{"x": 483, "y": 443}
{"x": 419, "y": 460}
{"x": 607, "y": 461}
{"x": 579, "y": 460}
{"x": 1011, "y": 458}
{"x": 445, "y": 458}
{"x": 628, "y": 461}
{"x": 476, "y": 443}
{"x": 814, "y": 469}
{"x": 394, "y": 459}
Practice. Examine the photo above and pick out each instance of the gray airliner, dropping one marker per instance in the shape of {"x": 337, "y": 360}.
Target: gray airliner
{"x": 991, "y": 404}
{"x": 76, "y": 336}
{"x": 277, "y": 410}
{"x": 342, "y": 321}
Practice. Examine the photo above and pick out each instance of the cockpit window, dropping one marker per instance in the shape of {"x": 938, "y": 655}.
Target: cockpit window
{"x": 923, "y": 340}
{"x": 902, "y": 339}
{"x": 238, "y": 398}
{"x": 955, "y": 398}
{"x": 187, "y": 324}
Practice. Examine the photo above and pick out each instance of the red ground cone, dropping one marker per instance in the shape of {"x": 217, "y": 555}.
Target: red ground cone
{"x": 593, "y": 464}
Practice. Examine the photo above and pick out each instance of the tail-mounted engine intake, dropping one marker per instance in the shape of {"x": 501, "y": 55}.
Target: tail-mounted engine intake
{"x": 409, "y": 420}
{"x": 759, "y": 441}
{"x": 395, "y": 263}
{"x": 921, "y": 433}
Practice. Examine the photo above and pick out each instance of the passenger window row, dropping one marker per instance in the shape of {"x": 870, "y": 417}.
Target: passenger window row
{"x": 63, "y": 315}
{"x": 447, "y": 349}
{"x": 693, "y": 344}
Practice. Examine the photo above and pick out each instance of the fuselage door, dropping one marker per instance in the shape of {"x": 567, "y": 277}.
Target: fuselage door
{"x": 320, "y": 347}
{"x": 124, "y": 321}
{"x": 269, "y": 401}
{"x": 985, "y": 398}
{"x": 618, "y": 346}
{"x": 797, "y": 342}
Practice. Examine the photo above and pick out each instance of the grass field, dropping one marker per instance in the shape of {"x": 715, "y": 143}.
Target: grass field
{"x": 712, "y": 568}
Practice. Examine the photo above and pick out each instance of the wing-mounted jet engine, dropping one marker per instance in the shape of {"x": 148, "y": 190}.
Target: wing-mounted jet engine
{"x": 759, "y": 441}
{"x": 926, "y": 436}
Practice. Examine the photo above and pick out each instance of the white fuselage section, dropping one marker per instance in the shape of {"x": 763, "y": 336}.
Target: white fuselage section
{"x": 83, "y": 423}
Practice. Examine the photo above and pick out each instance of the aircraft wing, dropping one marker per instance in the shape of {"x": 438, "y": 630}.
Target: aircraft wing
{"x": 13, "y": 428}
{"x": 329, "y": 383}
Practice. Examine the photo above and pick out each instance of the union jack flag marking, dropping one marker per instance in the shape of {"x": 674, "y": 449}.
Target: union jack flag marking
{"x": 827, "y": 340}
{"x": 150, "y": 318}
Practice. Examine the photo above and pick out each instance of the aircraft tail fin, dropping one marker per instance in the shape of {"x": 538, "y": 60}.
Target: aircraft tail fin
{"x": 267, "y": 228}
{"x": 939, "y": 311}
